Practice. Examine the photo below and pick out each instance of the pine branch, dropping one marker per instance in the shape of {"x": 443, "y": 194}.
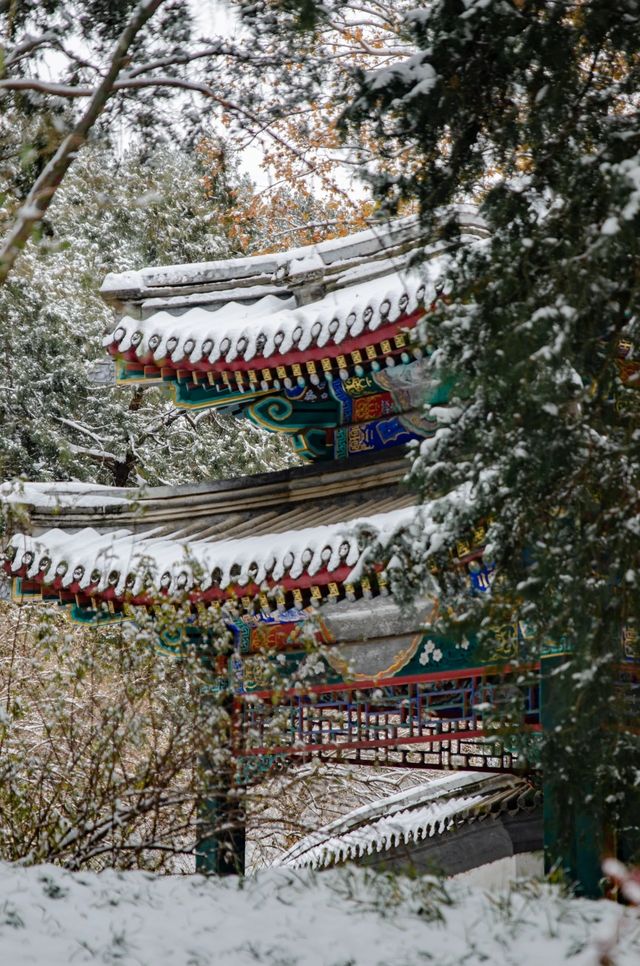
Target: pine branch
{"x": 101, "y": 455}
{"x": 72, "y": 424}
{"x": 28, "y": 45}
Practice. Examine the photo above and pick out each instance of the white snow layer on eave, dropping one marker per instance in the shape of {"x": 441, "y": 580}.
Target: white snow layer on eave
{"x": 323, "y": 253}
{"x": 390, "y": 831}
{"x": 267, "y": 327}
{"x": 179, "y": 566}
{"x": 423, "y": 795}
{"x": 247, "y": 295}
{"x": 428, "y": 792}
{"x": 63, "y": 495}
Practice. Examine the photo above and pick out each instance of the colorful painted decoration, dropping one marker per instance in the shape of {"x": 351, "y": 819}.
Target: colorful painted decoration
{"x": 342, "y": 402}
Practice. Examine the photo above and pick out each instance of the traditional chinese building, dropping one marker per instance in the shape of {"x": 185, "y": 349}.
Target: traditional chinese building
{"x": 451, "y": 825}
{"x": 320, "y": 344}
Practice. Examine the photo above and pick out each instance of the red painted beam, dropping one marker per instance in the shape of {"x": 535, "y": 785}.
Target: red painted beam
{"x": 315, "y": 354}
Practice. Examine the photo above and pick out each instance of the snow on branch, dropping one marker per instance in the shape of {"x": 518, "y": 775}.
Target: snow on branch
{"x": 29, "y": 212}
{"x": 45, "y": 186}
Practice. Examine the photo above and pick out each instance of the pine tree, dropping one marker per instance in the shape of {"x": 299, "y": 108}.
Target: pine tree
{"x": 111, "y": 215}
{"x": 530, "y": 107}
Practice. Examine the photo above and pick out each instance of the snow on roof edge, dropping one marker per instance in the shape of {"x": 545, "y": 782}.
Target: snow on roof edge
{"x": 320, "y": 254}
{"x": 228, "y": 268}
{"x": 90, "y": 558}
{"x": 412, "y": 815}
{"x": 67, "y": 495}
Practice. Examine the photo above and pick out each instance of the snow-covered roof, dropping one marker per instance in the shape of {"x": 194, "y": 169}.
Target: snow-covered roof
{"x": 237, "y": 312}
{"x": 121, "y": 562}
{"x": 370, "y": 483}
{"x": 268, "y": 269}
{"x": 409, "y": 817}
{"x": 273, "y": 326}
{"x": 288, "y": 526}
{"x": 61, "y": 496}
{"x": 280, "y": 270}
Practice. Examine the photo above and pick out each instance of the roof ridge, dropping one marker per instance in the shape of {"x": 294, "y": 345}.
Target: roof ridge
{"x": 379, "y": 240}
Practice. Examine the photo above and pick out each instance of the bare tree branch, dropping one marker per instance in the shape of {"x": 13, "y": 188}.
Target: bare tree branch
{"x": 46, "y": 185}
{"x": 28, "y": 45}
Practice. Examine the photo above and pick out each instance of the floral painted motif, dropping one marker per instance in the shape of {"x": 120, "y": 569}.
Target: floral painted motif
{"x": 430, "y": 653}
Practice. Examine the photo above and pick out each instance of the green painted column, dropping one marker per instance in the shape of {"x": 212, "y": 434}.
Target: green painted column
{"x": 220, "y": 848}
{"x": 575, "y": 834}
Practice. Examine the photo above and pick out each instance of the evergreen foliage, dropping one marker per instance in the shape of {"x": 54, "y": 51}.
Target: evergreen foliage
{"x": 531, "y": 108}
{"x": 111, "y": 215}
{"x": 71, "y": 37}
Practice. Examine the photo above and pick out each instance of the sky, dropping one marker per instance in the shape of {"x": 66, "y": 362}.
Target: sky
{"x": 213, "y": 18}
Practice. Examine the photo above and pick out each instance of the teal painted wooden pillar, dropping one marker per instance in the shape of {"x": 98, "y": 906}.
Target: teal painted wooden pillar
{"x": 220, "y": 848}
{"x": 221, "y": 845}
{"x": 574, "y": 829}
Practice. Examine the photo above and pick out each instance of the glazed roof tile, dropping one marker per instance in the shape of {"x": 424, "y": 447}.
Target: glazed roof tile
{"x": 370, "y": 483}
{"x": 292, "y": 525}
{"x": 235, "y": 311}
{"x": 274, "y": 326}
{"x": 421, "y": 812}
{"x": 92, "y": 561}
{"x": 278, "y": 270}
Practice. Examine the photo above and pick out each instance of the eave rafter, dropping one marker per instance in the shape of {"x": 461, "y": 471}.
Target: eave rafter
{"x": 114, "y": 572}
{"x": 270, "y": 322}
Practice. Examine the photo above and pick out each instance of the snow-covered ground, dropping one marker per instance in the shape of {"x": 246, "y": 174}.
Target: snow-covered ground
{"x": 344, "y": 917}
